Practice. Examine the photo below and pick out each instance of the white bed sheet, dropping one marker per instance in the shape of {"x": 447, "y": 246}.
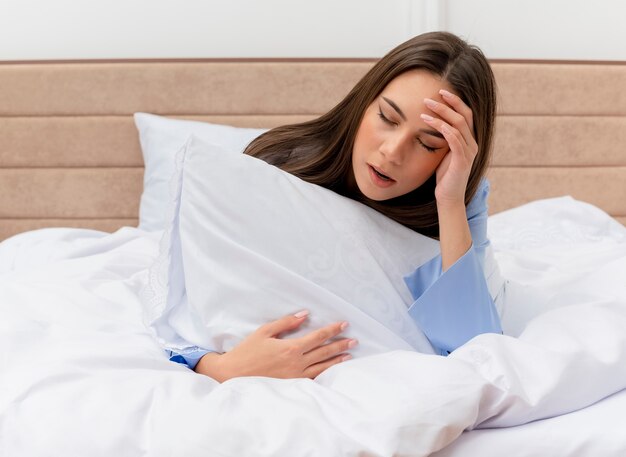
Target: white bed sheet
{"x": 81, "y": 375}
{"x": 595, "y": 431}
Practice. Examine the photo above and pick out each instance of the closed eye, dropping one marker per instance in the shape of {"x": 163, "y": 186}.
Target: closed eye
{"x": 428, "y": 148}
{"x": 384, "y": 118}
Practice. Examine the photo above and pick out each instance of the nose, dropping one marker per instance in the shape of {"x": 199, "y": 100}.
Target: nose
{"x": 393, "y": 149}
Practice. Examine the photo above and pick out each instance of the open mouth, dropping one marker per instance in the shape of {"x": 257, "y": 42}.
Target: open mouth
{"x": 380, "y": 175}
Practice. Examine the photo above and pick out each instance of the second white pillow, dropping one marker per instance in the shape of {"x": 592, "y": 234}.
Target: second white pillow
{"x": 160, "y": 139}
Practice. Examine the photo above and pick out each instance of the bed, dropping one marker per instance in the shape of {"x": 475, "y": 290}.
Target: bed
{"x": 82, "y": 375}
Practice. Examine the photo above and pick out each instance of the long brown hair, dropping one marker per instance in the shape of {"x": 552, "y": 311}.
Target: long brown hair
{"x": 320, "y": 151}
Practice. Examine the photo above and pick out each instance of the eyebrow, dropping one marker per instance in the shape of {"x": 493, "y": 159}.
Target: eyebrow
{"x": 403, "y": 116}
{"x": 433, "y": 133}
{"x": 396, "y": 107}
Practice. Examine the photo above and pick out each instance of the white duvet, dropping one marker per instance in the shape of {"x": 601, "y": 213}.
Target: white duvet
{"x": 80, "y": 375}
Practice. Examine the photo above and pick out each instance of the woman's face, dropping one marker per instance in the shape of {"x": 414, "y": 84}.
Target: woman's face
{"x": 395, "y": 151}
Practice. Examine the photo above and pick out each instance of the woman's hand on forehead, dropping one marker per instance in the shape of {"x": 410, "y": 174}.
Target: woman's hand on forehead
{"x": 455, "y": 122}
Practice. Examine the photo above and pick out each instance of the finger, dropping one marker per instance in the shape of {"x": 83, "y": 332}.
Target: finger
{"x": 453, "y": 137}
{"x": 284, "y": 324}
{"x": 315, "y": 370}
{"x": 452, "y": 117}
{"x": 456, "y": 142}
{"x": 320, "y": 336}
{"x": 459, "y": 106}
{"x": 326, "y": 351}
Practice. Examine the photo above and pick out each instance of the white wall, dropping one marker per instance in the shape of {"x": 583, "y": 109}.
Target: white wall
{"x": 542, "y": 29}
{"x": 86, "y": 29}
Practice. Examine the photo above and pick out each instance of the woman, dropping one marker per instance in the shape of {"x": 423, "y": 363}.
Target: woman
{"x": 411, "y": 140}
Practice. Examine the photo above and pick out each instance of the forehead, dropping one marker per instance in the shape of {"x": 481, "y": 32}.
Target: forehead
{"x": 416, "y": 83}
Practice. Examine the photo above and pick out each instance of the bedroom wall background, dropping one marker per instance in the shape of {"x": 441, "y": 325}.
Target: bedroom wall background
{"x": 122, "y": 29}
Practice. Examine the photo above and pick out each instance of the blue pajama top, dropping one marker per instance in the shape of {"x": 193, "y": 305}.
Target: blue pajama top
{"x": 448, "y": 318}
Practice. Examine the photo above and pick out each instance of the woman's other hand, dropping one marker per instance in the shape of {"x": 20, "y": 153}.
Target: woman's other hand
{"x": 264, "y": 353}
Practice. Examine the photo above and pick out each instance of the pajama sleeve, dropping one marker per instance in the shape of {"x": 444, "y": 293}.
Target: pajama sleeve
{"x": 189, "y": 357}
{"x": 452, "y": 307}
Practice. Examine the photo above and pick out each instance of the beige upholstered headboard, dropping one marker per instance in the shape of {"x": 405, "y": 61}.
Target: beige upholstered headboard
{"x": 70, "y": 156}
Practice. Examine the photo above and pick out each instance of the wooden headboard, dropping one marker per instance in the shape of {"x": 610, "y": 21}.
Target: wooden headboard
{"x": 70, "y": 155}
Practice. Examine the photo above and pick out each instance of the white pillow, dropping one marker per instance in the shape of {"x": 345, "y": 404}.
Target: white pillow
{"x": 160, "y": 139}
{"x": 249, "y": 243}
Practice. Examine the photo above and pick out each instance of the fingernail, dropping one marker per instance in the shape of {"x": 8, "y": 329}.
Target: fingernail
{"x": 445, "y": 93}
{"x": 301, "y": 314}
{"x": 426, "y": 117}
{"x": 346, "y": 357}
{"x": 430, "y": 103}
{"x": 344, "y": 326}
{"x": 352, "y": 344}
